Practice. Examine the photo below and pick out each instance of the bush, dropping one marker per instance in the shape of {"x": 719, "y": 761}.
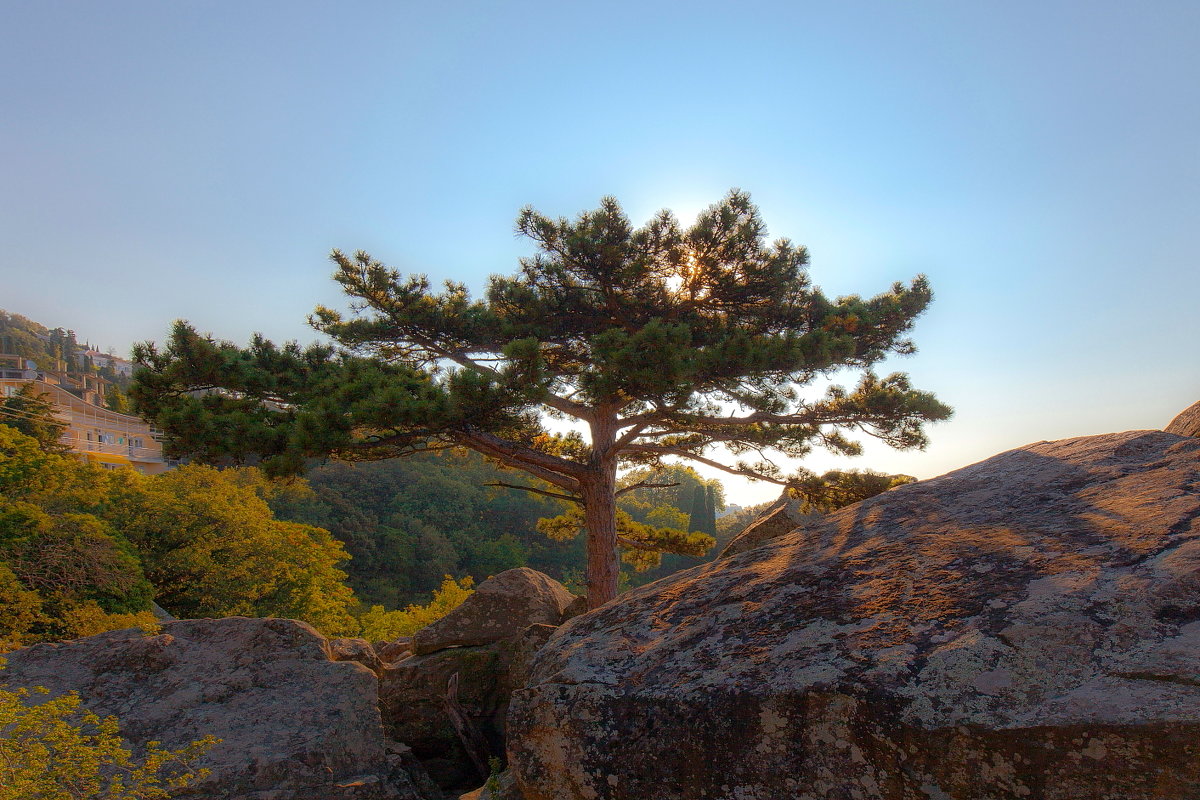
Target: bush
{"x": 54, "y": 750}
{"x": 384, "y": 626}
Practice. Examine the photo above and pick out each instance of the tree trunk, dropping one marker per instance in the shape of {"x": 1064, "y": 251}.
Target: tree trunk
{"x": 600, "y": 519}
{"x": 600, "y": 514}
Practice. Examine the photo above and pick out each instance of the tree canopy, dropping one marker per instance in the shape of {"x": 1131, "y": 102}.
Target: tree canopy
{"x": 656, "y": 342}
{"x": 31, "y": 412}
{"x": 83, "y": 549}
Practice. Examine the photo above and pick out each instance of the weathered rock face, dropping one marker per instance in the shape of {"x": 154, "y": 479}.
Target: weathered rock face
{"x": 412, "y": 700}
{"x": 1187, "y": 423}
{"x": 398, "y": 650}
{"x": 1026, "y": 627}
{"x": 501, "y": 607}
{"x": 359, "y": 650}
{"x": 294, "y": 724}
{"x": 781, "y": 518}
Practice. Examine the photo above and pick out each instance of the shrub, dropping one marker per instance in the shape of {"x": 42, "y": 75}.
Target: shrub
{"x": 379, "y": 625}
{"x": 54, "y": 750}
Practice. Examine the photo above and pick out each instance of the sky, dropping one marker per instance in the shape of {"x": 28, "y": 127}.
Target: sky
{"x": 1039, "y": 161}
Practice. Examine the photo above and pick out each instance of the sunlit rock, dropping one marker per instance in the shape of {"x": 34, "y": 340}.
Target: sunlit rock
{"x": 1025, "y": 627}
{"x": 1187, "y": 423}
{"x": 293, "y": 724}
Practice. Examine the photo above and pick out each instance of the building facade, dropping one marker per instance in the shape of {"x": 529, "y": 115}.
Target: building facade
{"x": 95, "y": 433}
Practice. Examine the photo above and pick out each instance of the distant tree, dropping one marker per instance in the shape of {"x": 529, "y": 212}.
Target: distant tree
{"x": 116, "y": 400}
{"x": 211, "y": 546}
{"x": 31, "y": 412}
{"x": 660, "y": 341}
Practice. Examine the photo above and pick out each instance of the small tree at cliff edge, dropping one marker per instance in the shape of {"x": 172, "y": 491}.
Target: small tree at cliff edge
{"x": 659, "y": 342}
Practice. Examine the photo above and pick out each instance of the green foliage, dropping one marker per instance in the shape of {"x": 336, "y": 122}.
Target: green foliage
{"x": 662, "y": 341}
{"x": 71, "y": 557}
{"x": 379, "y": 625}
{"x": 116, "y": 400}
{"x": 31, "y": 412}
{"x": 211, "y": 547}
{"x": 407, "y": 522}
{"x": 642, "y": 543}
{"x": 49, "y": 348}
{"x": 840, "y": 488}
{"x": 54, "y": 750}
{"x": 85, "y": 549}
{"x": 20, "y": 610}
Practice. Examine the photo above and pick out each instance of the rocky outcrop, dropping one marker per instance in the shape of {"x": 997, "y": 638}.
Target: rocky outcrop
{"x": 358, "y": 650}
{"x": 293, "y": 724}
{"x": 1026, "y": 627}
{"x": 396, "y": 650}
{"x": 486, "y": 644}
{"x": 781, "y": 518}
{"x": 412, "y": 698}
{"x": 500, "y": 608}
{"x": 1187, "y": 423}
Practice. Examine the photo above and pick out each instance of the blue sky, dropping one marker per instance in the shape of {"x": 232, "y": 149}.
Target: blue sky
{"x": 1039, "y": 161}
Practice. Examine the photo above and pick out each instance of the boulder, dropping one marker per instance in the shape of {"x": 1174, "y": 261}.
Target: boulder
{"x": 578, "y": 606}
{"x": 1026, "y": 627}
{"x": 1187, "y": 423}
{"x": 359, "y": 650}
{"x": 782, "y": 517}
{"x": 397, "y": 650}
{"x": 499, "y": 608}
{"x": 412, "y": 698}
{"x": 293, "y": 724}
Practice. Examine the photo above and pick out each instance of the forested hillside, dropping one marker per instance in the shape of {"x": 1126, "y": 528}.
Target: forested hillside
{"x": 55, "y": 349}
{"x": 409, "y": 522}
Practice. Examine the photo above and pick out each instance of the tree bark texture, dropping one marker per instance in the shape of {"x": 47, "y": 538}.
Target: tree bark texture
{"x": 598, "y": 490}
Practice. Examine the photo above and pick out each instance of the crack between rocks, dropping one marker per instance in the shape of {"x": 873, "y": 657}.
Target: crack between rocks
{"x": 1152, "y": 676}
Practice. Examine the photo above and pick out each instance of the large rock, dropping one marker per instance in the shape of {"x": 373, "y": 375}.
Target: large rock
{"x": 1187, "y": 423}
{"x": 499, "y": 608}
{"x": 1026, "y": 627}
{"x": 412, "y": 698}
{"x": 294, "y": 725}
{"x": 781, "y": 518}
{"x": 359, "y": 650}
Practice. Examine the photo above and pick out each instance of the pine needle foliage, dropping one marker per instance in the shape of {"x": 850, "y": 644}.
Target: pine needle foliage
{"x": 659, "y": 341}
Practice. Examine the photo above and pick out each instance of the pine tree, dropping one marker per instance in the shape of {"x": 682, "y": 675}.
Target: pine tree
{"x": 659, "y": 341}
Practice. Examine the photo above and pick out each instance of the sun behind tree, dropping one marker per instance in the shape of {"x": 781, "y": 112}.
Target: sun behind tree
{"x": 657, "y": 342}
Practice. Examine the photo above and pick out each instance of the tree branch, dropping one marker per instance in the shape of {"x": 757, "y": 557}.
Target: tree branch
{"x": 552, "y": 469}
{"x": 644, "y": 485}
{"x": 543, "y": 492}
{"x": 636, "y": 545}
{"x": 577, "y": 410}
{"x": 674, "y": 451}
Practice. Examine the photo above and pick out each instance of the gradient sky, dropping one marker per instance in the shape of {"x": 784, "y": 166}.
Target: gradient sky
{"x": 1038, "y": 160}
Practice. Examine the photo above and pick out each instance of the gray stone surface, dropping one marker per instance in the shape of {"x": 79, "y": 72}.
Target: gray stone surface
{"x": 499, "y": 608}
{"x": 1187, "y": 423}
{"x": 358, "y": 650}
{"x": 1025, "y": 627}
{"x": 412, "y": 699}
{"x": 294, "y": 724}
{"x": 783, "y": 517}
{"x": 397, "y": 650}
